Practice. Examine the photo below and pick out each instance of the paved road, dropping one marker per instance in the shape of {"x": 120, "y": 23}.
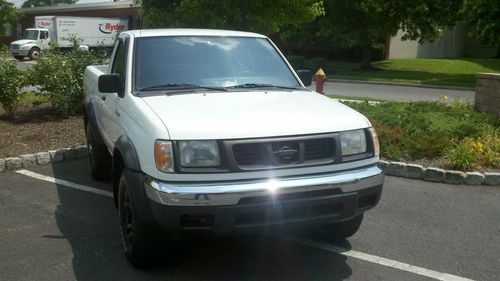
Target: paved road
{"x": 388, "y": 92}
{"x": 23, "y": 64}
{"x": 54, "y": 232}
{"x": 393, "y": 92}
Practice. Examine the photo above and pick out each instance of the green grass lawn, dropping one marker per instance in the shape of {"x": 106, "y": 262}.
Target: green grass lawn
{"x": 452, "y": 72}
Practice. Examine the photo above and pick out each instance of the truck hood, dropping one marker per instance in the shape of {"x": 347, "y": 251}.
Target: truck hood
{"x": 255, "y": 114}
{"x": 24, "y": 42}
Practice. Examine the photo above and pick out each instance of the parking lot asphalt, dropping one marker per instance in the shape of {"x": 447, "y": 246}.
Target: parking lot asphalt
{"x": 419, "y": 231}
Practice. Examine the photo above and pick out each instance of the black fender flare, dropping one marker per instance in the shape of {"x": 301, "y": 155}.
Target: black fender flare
{"x": 127, "y": 149}
{"x": 131, "y": 169}
{"x": 89, "y": 118}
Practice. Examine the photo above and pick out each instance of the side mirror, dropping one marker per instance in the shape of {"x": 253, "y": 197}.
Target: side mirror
{"x": 110, "y": 83}
{"x": 305, "y": 76}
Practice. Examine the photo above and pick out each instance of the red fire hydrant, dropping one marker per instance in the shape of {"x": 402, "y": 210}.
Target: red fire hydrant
{"x": 320, "y": 81}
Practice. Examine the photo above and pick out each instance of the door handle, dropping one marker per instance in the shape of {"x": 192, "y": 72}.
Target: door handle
{"x": 103, "y": 97}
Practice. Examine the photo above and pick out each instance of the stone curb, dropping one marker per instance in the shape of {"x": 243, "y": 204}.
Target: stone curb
{"x": 390, "y": 168}
{"x": 433, "y": 174}
{"x": 401, "y": 84}
{"x": 30, "y": 160}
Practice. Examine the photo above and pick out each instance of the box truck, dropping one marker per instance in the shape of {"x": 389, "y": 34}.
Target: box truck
{"x": 92, "y": 32}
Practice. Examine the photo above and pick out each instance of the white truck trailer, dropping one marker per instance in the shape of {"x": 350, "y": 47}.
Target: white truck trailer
{"x": 92, "y": 32}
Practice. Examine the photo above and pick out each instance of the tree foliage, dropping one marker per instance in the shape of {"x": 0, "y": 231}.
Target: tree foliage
{"x": 41, "y": 3}
{"x": 365, "y": 22}
{"x": 9, "y": 14}
{"x": 261, "y": 15}
{"x": 484, "y": 17}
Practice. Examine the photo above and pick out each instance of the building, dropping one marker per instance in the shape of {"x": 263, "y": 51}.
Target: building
{"x": 119, "y": 9}
{"x": 454, "y": 43}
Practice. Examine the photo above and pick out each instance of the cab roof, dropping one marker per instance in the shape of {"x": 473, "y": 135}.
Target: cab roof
{"x": 190, "y": 32}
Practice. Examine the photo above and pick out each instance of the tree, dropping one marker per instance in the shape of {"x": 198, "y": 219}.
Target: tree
{"x": 41, "y": 3}
{"x": 258, "y": 15}
{"x": 484, "y": 17}
{"x": 365, "y": 22}
{"x": 9, "y": 14}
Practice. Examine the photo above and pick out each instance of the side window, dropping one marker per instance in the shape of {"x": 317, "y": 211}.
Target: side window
{"x": 43, "y": 35}
{"x": 119, "y": 61}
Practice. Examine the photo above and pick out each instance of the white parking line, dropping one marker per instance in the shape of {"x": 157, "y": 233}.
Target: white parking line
{"x": 323, "y": 246}
{"x": 64, "y": 183}
{"x": 377, "y": 260}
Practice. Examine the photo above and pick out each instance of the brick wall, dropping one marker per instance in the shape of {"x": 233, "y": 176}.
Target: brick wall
{"x": 488, "y": 93}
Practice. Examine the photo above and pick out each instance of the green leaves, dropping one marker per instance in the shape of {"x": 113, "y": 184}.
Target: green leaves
{"x": 262, "y": 16}
{"x": 366, "y": 22}
{"x": 417, "y": 130}
{"x": 12, "y": 80}
{"x": 484, "y": 17}
{"x": 40, "y": 3}
{"x": 9, "y": 14}
{"x": 60, "y": 75}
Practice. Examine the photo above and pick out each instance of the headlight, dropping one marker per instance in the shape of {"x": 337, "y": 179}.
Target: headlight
{"x": 353, "y": 142}
{"x": 199, "y": 154}
{"x": 164, "y": 156}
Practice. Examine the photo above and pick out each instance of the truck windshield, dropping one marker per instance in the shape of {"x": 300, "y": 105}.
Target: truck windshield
{"x": 208, "y": 61}
{"x": 30, "y": 34}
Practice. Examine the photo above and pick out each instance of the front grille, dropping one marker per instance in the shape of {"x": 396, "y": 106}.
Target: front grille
{"x": 14, "y": 46}
{"x": 284, "y": 152}
{"x": 239, "y": 155}
{"x": 248, "y": 154}
{"x": 319, "y": 148}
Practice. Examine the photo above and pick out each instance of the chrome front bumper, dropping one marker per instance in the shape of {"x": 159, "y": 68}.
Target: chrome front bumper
{"x": 230, "y": 193}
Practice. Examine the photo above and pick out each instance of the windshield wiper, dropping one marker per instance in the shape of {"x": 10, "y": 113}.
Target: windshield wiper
{"x": 256, "y": 85}
{"x": 176, "y": 87}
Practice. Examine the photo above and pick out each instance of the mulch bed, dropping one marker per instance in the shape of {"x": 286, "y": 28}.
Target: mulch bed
{"x": 37, "y": 129}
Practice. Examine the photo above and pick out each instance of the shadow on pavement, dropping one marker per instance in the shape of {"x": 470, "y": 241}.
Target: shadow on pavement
{"x": 89, "y": 222}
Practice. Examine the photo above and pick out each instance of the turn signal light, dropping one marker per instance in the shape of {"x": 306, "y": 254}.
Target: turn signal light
{"x": 376, "y": 144}
{"x": 164, "y": 156}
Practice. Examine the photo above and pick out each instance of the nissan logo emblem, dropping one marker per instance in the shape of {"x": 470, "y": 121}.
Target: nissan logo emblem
{"x": 285, "y": 153}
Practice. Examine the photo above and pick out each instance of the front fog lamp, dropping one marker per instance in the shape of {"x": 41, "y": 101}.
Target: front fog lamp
{"x": 197, "y": 154}
{"x": 164, "y": 156}
{"x": 353, "y": 142}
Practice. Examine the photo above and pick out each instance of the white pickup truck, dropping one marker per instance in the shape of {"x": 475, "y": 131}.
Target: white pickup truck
{"x": 213, "y": 131}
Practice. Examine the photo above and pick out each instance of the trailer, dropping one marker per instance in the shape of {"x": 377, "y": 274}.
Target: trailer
{"x": 91, "y": 33}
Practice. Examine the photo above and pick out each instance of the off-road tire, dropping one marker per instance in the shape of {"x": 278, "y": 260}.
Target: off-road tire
{"x": 140, "y": 241}
{"x": 19, "y": 58}
{"x": 98, "y": 156}
{"x": 345, "y": 229}
{"x": 34, "y": 53}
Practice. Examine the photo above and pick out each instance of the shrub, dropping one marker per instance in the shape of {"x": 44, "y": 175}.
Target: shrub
{"x": 316, "y": 63}
{"x": 462, "y": 155}
{"x": 60, "y": 75}
{"x": 490, "y": 140}
{"x": 297, "y": 62}
{"x": 12, "y": 80}
{"x": 415, "y": 130}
